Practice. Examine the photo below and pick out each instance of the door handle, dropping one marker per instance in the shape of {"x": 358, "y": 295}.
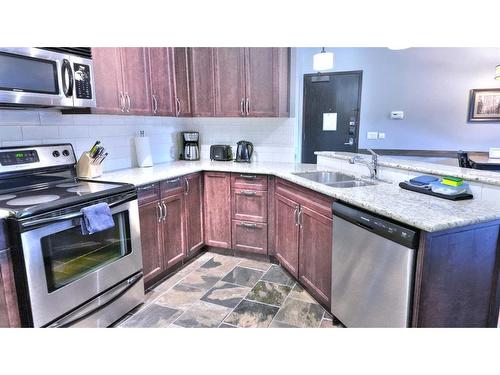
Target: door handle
{"x": 187, "y": 185}
{"x": 248, "y": 176}
{"x": 249, "y": 225}
{"x": 165, "y": 210}
{"x": 350, "y": 143}
{"x": 155, "y": 105}
{"x": 248, "y": 106}
{"x": 177, "y": 106}
{"x": 242, "y": 106}
{"x": 67, "y": 85}
{"x": 128, "y": 102}
{"x": 160, "y": 212}
{"x": 248, "y": 193}
{"x": 299, "y": 218}
{"x": 122, "y": 102}
{"x": 296, "y": 216}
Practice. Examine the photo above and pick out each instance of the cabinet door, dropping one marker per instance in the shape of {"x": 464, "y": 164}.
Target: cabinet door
{"x": 181, "y": 81}
{"x": 315, "y": 253}
{"x": 108, "y": 80}
{"x": 152, "y": 261}
{"x": 249, "y": 237}
{"x": 287, "y": 234}
{"x": 173, "y": 232}
{"x": 229, "y": 82}
{"x": 194, "y": 212}
{"x": 161, "y": 78}
{"x": 135, "y": 81}
{"x": 249, "y": 205}
{"x": 201, "y": 78}
{"x": 217, "y": 209}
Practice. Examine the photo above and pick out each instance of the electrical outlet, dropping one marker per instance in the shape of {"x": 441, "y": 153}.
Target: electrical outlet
{"x": 397, "y": 115}
{"x": 372, "y": 135}
{"x": 381, "y": 135}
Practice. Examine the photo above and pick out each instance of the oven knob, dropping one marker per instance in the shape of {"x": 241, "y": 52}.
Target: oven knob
{"x": 65, "y": 152}
{"x": 56, "y": 154}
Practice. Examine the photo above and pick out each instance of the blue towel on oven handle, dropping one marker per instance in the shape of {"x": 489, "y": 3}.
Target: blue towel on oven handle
{"x": 96, "y": 218}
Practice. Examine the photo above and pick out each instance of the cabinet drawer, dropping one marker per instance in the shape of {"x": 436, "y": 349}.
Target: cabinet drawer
{"x": 172, "y": 186}
{"x": 248, "y": 181}
{"x": 250, "y": 237}
{"x": 305, "y": 197}
{"x": 148, "y": 193}
{"x": 249, "y": 205}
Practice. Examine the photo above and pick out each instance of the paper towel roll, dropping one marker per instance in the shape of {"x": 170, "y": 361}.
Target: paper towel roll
{"x": 143, "y": 152}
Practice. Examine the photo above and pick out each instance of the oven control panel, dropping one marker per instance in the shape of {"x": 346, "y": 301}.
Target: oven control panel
{"x": 13, "y": 159}
{"x": 83, "y": 86}
{"x": 18, "y": 157}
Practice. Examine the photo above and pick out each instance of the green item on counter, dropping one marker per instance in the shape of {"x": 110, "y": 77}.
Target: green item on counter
{"x": 452, "y": 181}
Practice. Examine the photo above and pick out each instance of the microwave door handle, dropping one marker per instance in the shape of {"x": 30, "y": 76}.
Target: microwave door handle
{"x": 69, "y": 216}
{"x": 67, "y": 84}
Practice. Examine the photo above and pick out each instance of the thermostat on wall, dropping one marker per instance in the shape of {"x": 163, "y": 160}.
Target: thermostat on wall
{"x": 397, "y": 115}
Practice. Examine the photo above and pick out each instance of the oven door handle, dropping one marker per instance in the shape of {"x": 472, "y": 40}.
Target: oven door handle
{"x": 73, "y": 215}
{"x": 97, "y": 303}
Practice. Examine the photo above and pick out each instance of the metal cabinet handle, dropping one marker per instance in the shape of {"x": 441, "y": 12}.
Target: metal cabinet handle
{"x": 249, "y": 225}
{"x": 248, "y": 193}
{"x": 187, "y": 185}
{"x": 248, "y": 176}
{"x": 299, "y": 217}
{"x": 160, "y": 212}
{"x": 155, "y": 105}
{"x": 144, "y": 188}
{"x": 165, "y": 210}
{"x": 242, "y": 106}
{"x": 122, "y": 102}
{"x": 128, "y": 102}
{"x": 177, "y": 106}
{"x": 248, "y": 106}
{"x": 296, "y": 216}
{"x": 174, "y": 180}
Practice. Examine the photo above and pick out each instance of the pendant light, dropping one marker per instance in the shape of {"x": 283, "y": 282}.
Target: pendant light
{"x": 323, "y": 60}
{"x": 497, "y": 73}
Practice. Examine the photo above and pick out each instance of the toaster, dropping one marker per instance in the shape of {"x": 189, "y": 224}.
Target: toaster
{"x": 221, "y": 153}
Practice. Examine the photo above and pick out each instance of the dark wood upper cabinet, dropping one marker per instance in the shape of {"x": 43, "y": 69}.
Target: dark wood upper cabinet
{"x": 152, "y": 258}
{"x": 136, "y": 81}
{"x": 229, "y": 82}
{"x": 201, "y": 79}
{"x": 287, "y": 234}
{"x": 315, "y": 253}
{"x": 108, "y": 81}
{"x": 194, "y": 211}
{"x": 181, "y": 81}
{"x": 267, "y": 86}
{"x": 173, "y": 231}
{"x": 161, "y": 78}
{"x": 217, "y": 209}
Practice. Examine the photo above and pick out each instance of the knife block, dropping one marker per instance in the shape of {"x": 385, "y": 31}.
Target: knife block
{"x": 86, "y": 169}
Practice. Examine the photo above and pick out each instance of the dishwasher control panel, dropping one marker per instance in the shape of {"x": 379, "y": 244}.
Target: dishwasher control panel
{"x": 382, "y": 226}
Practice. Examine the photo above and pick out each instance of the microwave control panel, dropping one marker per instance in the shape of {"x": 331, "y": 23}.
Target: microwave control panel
{"x": 83, "y": 88}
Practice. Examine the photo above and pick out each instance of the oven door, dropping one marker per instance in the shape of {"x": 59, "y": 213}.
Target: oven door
{"x": 66, "y": 269}
{"x": 35, "y": 77}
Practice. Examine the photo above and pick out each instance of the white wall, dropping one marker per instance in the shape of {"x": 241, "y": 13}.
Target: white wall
{"x": 430, "y": 84}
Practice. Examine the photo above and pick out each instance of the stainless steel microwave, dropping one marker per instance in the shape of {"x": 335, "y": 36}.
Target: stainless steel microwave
{"x": 35, "y": 77}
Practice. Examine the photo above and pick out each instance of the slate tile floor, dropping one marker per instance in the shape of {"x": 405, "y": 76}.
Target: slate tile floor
{"x": 228, "y": 292}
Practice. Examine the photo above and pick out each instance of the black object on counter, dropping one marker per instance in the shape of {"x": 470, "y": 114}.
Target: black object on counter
{"x": 456, "y": 197}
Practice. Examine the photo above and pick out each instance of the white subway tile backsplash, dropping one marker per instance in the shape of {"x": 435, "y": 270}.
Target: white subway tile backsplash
{"x": 11, "y": 133}
{"x": 19, "y": 117}
{"x": 40, "y": 132}
{"x": 74, "y": 131}
{"x": 55, "y": 118}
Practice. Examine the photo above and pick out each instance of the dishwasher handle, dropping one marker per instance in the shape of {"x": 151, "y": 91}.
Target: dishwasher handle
{"x": 379, "y": 225}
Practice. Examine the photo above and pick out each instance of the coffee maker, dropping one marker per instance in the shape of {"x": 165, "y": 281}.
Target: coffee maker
{"x": 191, "y": 147}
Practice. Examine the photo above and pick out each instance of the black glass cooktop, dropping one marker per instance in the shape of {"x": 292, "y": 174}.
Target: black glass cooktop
{"x": 65, "y": 192}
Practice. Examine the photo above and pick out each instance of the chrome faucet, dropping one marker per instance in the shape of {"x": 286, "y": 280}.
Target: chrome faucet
{"x": 372, "y": 165}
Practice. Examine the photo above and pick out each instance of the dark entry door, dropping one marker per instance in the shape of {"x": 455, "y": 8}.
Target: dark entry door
{"x": 330, "y": 119}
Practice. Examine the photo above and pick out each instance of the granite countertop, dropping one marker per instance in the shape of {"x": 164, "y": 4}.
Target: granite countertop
{"x": 388, "y": 199}
{"x": 487, "y": 177}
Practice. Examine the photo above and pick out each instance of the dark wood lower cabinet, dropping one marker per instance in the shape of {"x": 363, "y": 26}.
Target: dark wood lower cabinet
{"x": 9, "y": 310}
{"x": 217, "y": 209}
{"x": 315, "y": 253}
{"x": 173, "y": 232}
{"x": 287, "y": 234}
{"x": 152, "y": 261}
{"x": 194, "y": 212}
{"x": 249, "y": 237}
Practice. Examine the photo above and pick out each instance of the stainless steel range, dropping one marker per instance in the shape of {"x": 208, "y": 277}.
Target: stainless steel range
{"x": 65, "y": 278}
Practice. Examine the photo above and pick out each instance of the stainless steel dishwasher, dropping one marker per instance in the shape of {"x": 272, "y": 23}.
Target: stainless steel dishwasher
{"x": 373, "y": 261}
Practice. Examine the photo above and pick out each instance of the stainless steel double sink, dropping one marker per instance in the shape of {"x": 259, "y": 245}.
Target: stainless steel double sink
{"x": 334, "y": 179}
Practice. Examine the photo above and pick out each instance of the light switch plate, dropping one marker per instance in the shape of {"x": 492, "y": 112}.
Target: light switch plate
{"x": 494, "y": 153}
{"x": 397, "y": 115}
{"x": 381, "y": 135}
{"x": 372, "y": 135}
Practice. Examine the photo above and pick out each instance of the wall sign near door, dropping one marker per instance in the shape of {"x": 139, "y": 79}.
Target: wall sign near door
{"x": 329, "y": 121}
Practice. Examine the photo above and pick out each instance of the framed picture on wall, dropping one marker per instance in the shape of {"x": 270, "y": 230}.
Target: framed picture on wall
{"x": 484, "y": 105}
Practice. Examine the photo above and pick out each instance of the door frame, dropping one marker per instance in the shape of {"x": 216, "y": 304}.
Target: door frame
{"x": 358, "y": 117}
